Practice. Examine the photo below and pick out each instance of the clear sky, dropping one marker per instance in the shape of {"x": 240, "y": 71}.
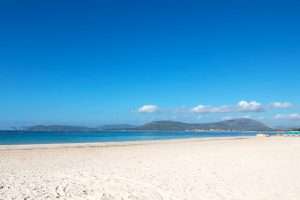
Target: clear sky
{"x": 107, "y": 61}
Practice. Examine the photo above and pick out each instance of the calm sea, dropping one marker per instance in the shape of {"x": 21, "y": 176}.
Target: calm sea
{"x": 17, "y": 137}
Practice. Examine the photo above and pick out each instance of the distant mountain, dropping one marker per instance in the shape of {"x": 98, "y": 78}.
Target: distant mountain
{"x": 117, "y": 127}
{"x": 234, "y": 124}
{"x": 59, "y": 128}
{"x": 166, "y": 126}
{"x": 66, "y": 128}
{"x": 242, "y": 124}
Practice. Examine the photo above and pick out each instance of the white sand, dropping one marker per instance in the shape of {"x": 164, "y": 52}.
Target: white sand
{"x": 254, "y": 169}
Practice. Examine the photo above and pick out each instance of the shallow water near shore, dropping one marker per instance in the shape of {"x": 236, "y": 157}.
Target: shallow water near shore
{"x": 18, "y": 137}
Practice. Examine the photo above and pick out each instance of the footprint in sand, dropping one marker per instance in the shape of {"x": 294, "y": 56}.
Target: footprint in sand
{"x": 106, "y": 189}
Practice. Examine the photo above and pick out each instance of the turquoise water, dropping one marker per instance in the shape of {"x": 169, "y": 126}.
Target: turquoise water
{"x": 17, "y": 137}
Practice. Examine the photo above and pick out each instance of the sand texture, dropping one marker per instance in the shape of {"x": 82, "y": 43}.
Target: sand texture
{"x": 231, "y": 169}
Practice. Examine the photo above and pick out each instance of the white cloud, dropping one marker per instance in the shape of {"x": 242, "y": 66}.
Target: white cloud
{"x": 282, "y": 105}
{"x": 249, "y": 106}
{"x": 222, "y": 109}
{"x": 242, "y": 106}
{"x": 201, "y": 109}
{"x": 210, "y": 109}
{"x": 294, "y": 116}
{"x": 148, "y": 109}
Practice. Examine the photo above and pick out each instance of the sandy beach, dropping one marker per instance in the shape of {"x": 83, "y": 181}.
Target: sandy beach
{"x": 233, "y": 169}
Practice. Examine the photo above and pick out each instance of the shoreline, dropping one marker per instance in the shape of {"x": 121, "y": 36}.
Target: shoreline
{"x": 213, "y": 168}
{"x": 115, "y": 144}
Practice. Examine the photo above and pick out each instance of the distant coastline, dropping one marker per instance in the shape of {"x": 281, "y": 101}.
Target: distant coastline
{"x": 242, "y": 124}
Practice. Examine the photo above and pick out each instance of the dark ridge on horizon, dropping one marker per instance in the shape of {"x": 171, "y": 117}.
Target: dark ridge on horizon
{"x": 241, "y": 124}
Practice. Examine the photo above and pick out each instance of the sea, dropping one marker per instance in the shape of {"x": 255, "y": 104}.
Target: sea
{"x": 19, "y": 137}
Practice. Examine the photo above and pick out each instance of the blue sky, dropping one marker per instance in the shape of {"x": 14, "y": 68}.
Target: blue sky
{"x": 98, "y": 62}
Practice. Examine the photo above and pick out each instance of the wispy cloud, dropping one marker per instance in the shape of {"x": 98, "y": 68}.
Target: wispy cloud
{"x": 281, "y": 105}
{"x": 292, "y": 117}
{"x": 148, "y": 109}
{"x": 210, "y": 109}
{"x": 250, "y": 106}
{"x": 242, "y": 106}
